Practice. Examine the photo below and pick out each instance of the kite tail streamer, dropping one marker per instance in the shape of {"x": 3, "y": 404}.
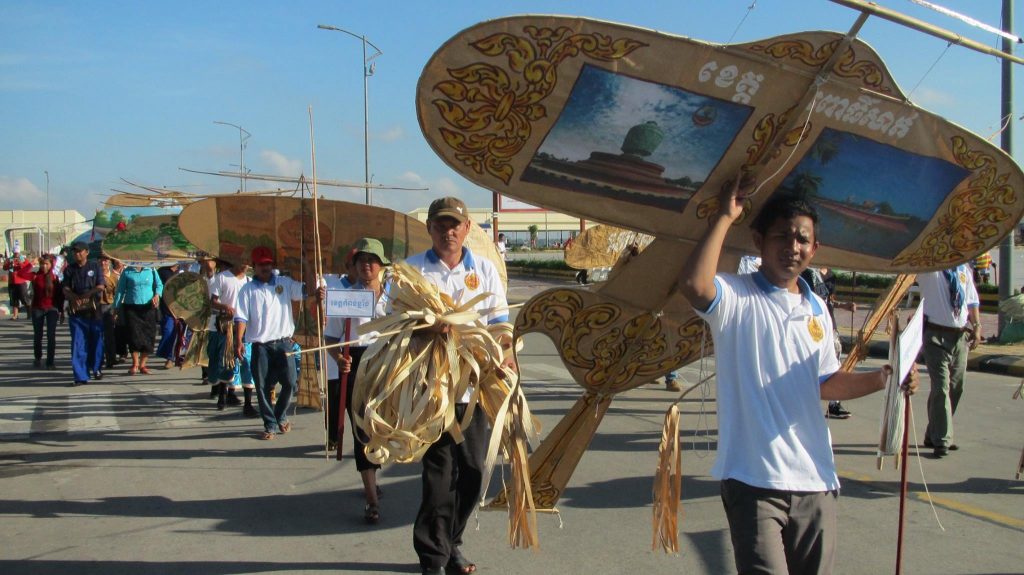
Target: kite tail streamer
{"x": 195, "y": 354}
{"x": 668, "y": 485}
{"x": 513, "y": 429}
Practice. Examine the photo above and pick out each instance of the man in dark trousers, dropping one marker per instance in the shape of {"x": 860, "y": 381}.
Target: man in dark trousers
{"x": 82, "y": 285}
{"x": 452, "y": 472}
{"x": 776, "y": 362}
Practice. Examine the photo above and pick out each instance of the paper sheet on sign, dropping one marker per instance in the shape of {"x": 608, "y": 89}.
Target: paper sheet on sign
{"x": 910, "y": 342}
{"x": 354, "y": 303}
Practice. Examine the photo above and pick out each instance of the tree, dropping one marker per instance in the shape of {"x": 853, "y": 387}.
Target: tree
{"x": 533, "y": 229}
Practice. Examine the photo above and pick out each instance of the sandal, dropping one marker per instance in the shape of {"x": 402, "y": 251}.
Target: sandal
{"x": 458, "y": 563}
{"x": 144, "y": 370}
{"x": 267, "y": 436}
{"x": 371, "y": 513}
{"x": 133, "y": 370}
{"x": 286, "y": 427}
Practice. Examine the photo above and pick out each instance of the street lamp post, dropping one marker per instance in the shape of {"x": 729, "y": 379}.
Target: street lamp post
{"x": 368, "y": 70}
{"x": 47, "y": 210}
{"x": 241, "y": 152}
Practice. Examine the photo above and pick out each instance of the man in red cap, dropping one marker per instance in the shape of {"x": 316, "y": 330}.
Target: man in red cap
{"x": 263, "y": 318}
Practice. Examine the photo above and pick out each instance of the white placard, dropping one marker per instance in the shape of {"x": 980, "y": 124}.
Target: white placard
{"x": 349, "y": 303}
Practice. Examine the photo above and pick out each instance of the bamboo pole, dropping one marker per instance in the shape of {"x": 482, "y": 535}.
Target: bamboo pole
{"x": 318, "y": 273}
{"x": 922, "y": 26}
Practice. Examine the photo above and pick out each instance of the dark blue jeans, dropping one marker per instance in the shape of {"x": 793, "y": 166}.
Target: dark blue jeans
{"x": 271, "y": 366}
{"x": 86, "y": 346}
{"x": 47, "y": 317}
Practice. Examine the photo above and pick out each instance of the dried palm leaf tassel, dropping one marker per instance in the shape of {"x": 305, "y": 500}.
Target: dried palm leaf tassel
{"x": 668, "y": 486}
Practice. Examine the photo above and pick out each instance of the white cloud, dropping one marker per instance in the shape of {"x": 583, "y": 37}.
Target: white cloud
{"x": 21, "y": 194}
{"x": 280, "y": 165}
{"x": 412, "y": 179}
{"x": 392, "y": 134}
{"x": 446, "y": 187}
{"x": 930, "y": 98}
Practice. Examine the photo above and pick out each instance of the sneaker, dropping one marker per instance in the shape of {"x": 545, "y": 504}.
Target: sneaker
{"x": 837, "y": 411}
{"x": 232, "y": 399}
{"x": 98, "y": 375}
{"x": 250, "y": 411}
{"x": 671, "y": 385}
{"x": 50, "y": 365}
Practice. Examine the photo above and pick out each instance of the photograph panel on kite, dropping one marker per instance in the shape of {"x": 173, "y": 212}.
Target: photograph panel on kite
{"x": 871, "y": 197}
{"x": 149, "y": 241}
{"x": 634, "y": 140}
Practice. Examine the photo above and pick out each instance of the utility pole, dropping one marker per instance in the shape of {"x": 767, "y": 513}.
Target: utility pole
{"x": 1006, "y": 143}
{"x": 368, "y": 70}
{"x": 47, "y": 210}
{"x": 241, "y": 151}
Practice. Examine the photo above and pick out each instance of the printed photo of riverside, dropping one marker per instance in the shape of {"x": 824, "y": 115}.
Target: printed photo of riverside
{"x": 636, "y": 141}
{"x": 871, "y": 198}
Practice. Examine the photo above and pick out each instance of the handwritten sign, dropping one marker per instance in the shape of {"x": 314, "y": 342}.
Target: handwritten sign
{"x": 349, "y": 303}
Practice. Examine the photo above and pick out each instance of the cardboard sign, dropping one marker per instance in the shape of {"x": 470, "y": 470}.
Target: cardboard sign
{"x": 349, "y": 303}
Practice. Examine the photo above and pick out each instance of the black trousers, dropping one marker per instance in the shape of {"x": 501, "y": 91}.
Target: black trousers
{"x": 452, "y": 479}
{"x": 333, "y": 390}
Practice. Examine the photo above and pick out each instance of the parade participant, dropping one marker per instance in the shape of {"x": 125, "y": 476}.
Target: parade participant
{"x": 368, "y": 263}
{"x": 137, "y": 296}
{"x": 111, "y": 278}
{"x": 263, "y": 318}
{"x": 46, "y": 294}
{"x": 776, "y": 362}
{"x": 171, "y": 330}
{"x": 224, "y": 290}
{"x": 952, "y": 325}
{"x": 19, "y": 274}
{"x": 823, "y": 283}
{"x": 452, "y": 472}
{"x": 83, "y": 282}
{"x": 341, "y": 281}
{"x": 206, "y": 266}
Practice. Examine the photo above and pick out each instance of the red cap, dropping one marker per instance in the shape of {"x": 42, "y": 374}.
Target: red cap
{"x": 262, "y": 255}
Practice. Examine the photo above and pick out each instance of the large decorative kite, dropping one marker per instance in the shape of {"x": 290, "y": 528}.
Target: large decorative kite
{"x": 640, "y": 130}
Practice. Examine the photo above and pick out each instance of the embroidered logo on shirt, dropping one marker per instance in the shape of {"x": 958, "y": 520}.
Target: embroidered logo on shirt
{"x": 279, "y": 290}
{"x": 814, "y": 328}
{"x": 472, "y": 281}
{"x": 963, "y": 278}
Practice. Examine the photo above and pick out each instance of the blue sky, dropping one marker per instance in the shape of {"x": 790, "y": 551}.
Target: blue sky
{"x": 99, "y": 90}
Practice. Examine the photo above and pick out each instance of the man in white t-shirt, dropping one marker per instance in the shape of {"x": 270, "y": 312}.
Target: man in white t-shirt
{"x": 952, "y": 326}
{"x": 502, "y": 246}
{"x": 263, "y": 318}
{"x": 453, "y": 472}
{"x": 224, "y": 288}
{"x": 776, "y": 363}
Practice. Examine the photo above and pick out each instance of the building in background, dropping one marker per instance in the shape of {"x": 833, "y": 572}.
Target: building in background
{"x": 26, "y": 230}
{"x": 553, "y": 228}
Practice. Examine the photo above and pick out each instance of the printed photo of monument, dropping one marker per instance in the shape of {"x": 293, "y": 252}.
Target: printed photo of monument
{"x": 870, "y": 197}
{"x": 635, "y": 141}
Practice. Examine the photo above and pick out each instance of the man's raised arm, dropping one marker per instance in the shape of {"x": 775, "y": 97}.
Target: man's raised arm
{"x": 697, "y": 280}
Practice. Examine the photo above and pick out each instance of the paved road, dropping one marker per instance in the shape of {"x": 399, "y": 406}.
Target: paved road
{"x": 143, "y": 475}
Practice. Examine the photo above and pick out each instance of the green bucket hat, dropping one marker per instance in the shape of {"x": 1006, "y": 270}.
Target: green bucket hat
{"x": 371, "y": 246}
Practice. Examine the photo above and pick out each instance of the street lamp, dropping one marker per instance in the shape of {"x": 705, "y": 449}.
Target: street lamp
{"x": 241, "y": 152}
{"x": 368, "y": 70}
{"x": 47, "y": 210}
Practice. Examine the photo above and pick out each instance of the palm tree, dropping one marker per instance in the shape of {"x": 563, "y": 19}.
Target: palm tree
{"x": 533, "y": 229}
